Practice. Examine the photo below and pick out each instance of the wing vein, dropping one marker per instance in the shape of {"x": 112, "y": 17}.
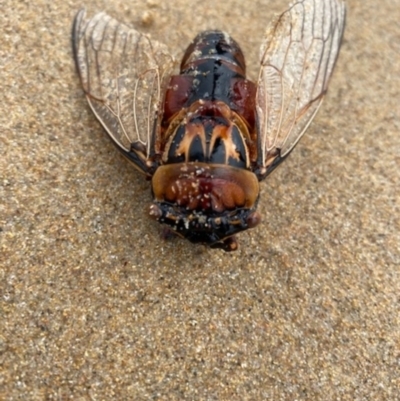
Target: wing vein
{"x": 298, "y": 55}
{"x": 123, "y": 74}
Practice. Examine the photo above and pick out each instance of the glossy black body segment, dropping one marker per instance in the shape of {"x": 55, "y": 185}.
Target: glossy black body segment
{"x": 212, "y": 230}
{"x": 215, "y": 61}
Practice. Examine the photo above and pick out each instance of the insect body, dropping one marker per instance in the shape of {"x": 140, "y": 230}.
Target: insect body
{"x": 207, "y": 136}
{"x": 205, "y": 189}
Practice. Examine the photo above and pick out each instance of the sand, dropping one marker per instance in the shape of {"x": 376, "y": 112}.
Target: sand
{"x": 95, "y": 305}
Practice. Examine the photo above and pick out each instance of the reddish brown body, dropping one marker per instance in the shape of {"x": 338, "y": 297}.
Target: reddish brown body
{"x": 204, "y": 188}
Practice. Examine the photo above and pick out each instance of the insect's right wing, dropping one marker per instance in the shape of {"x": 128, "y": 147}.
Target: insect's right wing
{"x": 297, "y": 59}
{"x": 123, "y": 74}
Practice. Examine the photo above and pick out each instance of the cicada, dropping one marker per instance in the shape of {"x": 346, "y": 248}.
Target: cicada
{"x": 207, "y": 135}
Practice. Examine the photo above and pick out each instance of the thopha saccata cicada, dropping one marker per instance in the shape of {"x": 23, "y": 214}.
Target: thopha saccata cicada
{"x": 207, "y": 136}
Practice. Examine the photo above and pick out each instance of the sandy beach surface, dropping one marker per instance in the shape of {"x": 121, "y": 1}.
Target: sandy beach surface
{"x": 95, "y": 305}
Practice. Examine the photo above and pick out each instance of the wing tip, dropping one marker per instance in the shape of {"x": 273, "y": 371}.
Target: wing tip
{"x": 75, "y": 37}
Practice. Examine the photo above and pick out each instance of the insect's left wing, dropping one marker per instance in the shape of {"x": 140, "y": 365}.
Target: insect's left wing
{"x": 297, "y": 59}
{"x": 123, "y": 73}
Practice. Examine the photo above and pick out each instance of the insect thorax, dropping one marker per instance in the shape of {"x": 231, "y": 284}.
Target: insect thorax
{"x": 207, "y": 132}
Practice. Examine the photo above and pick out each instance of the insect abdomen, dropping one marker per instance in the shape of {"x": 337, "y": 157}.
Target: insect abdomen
{"x": 212, "y": 69}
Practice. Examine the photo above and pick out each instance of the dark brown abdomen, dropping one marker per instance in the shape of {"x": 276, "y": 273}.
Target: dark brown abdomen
{"x": 212, "y": 69}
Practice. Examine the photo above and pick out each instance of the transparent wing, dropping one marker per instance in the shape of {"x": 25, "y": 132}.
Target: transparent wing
{"x": 297, "y": 59}
{"x": 123, "y": 74}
